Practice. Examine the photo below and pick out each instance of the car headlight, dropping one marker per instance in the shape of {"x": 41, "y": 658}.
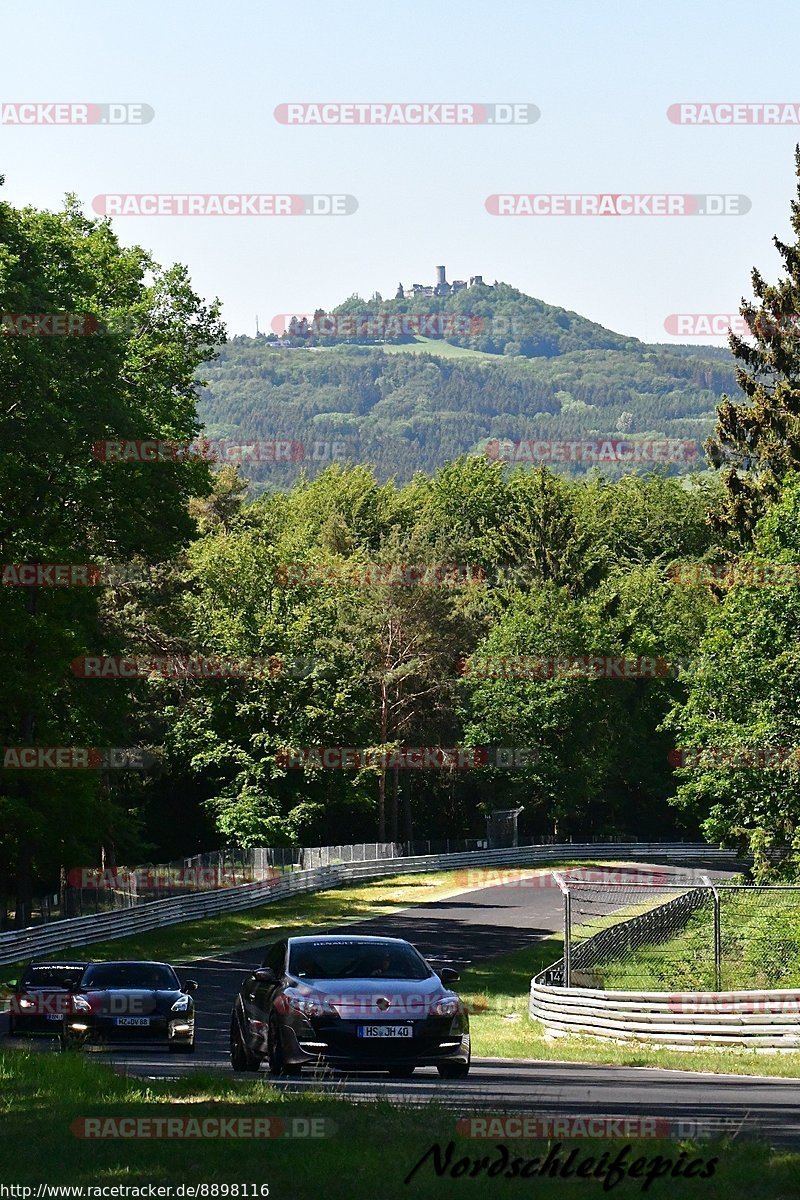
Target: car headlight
{"x": 26, "y": 1002}
{"x": 445, "y": 1006}
{"x": 81, "y": 1004}
{"x": 310, "y": 1004}
{"x": 182, "y": 1004}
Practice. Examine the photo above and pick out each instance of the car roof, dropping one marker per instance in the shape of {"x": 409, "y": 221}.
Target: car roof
{"x": 346, "y": 939}
{"x": 57, "y": 962}
{"x": 128, "y": 962}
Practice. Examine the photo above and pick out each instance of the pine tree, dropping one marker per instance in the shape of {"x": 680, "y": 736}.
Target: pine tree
{"x": 757, "y": 438}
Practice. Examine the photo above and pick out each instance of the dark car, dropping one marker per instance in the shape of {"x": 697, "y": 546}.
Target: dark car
{"x": 141, "y": 1002}
{"x": 42, "y": 996}
{"x": 363, "y": 1003}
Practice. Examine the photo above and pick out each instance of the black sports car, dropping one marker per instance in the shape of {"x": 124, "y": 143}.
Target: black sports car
{"x": 42, "y": 996}
{"x": 142, "y": 1002}
{"x": 364, "y": 1003}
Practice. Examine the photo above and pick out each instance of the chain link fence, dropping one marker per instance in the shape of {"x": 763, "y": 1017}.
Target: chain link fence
{"x": 662, "y": 934}
{"x": 89, "y": 890}
{"x": 86, "y": 891}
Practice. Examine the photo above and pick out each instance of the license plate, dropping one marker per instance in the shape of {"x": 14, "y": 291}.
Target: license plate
{"x": 54, "y": 1016}
{"x": 132, "y": 1021}
{"x": 404, "y": 1031}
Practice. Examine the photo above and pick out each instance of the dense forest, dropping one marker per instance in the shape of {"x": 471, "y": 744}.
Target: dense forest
{"x": 403, "y": 411}
{"x": 620, "y": 655}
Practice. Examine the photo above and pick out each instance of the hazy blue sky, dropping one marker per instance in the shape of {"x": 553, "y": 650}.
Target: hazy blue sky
{"x": 602, "y": 74}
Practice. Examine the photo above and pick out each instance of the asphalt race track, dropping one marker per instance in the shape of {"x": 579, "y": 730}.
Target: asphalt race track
{"x": 475, "y": 926}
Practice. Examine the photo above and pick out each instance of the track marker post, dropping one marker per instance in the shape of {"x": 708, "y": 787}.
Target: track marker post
{"x": 559, "y": 878}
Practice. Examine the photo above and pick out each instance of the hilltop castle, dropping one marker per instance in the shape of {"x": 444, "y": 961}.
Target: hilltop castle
{"x": 440, "y": 288}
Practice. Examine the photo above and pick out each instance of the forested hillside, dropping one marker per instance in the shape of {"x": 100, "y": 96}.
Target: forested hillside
{"x": 403, "y": 412}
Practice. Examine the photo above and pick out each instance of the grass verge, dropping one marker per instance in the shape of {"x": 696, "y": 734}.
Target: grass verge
{"x": 371, "y": 1149}
{"x": 497, "y": 993}
{"x": 760, "y": 935}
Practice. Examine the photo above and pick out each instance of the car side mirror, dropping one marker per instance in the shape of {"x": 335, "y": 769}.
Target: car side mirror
{"x": 448, "y": 975}
{"x": 266, "y": 975}
{"x": 190, "y": 987}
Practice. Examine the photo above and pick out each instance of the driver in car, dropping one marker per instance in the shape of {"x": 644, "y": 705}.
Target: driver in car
{"x": 383, "y": 963}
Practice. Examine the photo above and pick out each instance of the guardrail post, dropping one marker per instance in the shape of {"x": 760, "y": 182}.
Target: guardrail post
{"x": 717, "y": 935}
{"x": 559, "y": 878}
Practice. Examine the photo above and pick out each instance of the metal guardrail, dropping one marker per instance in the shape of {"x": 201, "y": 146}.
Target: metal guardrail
{"x": 18, "y": 945}
{"x": 768, "y": 1019}
{"x": 757, "y": 1019}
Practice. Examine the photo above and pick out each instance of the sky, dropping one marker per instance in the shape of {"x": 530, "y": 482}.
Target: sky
{"x": 602, "y": 76}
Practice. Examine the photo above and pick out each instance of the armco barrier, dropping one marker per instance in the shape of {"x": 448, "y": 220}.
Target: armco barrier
{"x": 755, "y": 1019}
{"x": 769, "y": 1019}
{"x": 80, "y": 931}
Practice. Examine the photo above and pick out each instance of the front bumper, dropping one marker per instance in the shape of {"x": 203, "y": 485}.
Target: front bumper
{"x": 39, "y": 1025}
{"x": 434, "y": 1040}
{"x": 160, "y": 1030}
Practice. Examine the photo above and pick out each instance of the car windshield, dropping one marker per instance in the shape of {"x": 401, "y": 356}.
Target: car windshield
{"x": 356, "y": 960}
{"x": 150, "y": 976}
{"x": 53, "y": 975}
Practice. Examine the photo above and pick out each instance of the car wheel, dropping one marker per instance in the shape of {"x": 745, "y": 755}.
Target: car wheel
{"x": 401, "y": 1072}
{"x": 277, "y": 1063}
{"x": 242, "y": 1059}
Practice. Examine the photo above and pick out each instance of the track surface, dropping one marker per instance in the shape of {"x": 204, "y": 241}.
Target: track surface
{"x": 475, "y": 926}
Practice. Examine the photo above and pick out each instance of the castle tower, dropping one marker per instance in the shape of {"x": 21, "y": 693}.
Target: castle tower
{"x": 441, "y": 281}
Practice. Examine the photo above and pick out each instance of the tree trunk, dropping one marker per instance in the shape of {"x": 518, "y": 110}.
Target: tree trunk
{"x": 382, "y": 805}
{"x": 409, "y": 828}
{"x": 395, "y": 774}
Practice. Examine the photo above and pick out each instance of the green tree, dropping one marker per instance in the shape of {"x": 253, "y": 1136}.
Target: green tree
{"x": 756, "y": 441}
{"x": 744, "y": 698}
{"x": 60, "y": 503}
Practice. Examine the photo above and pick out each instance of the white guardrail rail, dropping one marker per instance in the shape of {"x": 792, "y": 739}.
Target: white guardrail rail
{"x": 768, "y": 1019}
{"x": 19, "y": 945}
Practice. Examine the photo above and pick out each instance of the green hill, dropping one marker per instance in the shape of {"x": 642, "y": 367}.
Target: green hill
{"x": 407, "y": 403}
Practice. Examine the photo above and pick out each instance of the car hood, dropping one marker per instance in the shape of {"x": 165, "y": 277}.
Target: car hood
{"x": 33, "y": 988}
{"x": 378, "y": 999}
{"x": 133, "y": 1002}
